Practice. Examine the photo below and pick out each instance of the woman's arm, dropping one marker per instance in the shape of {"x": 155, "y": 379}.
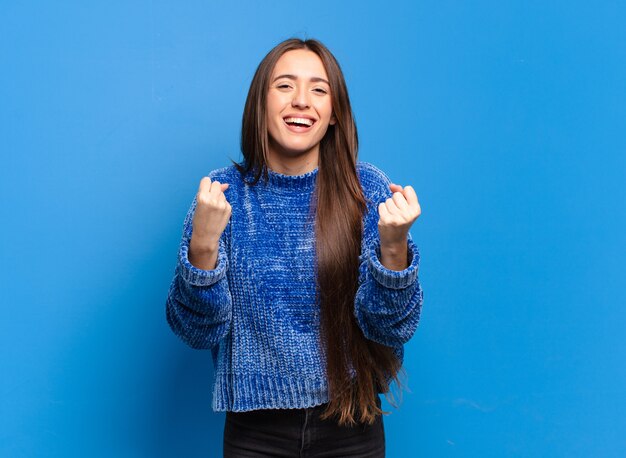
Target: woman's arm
{"x": 395, "y": 257}
{"x": 389, "y": 298}
{"x": 199, "y": 304}
{"x": 388, "y": 302}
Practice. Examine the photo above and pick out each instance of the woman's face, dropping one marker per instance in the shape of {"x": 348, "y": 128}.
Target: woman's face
{"x": 299, "y": 108}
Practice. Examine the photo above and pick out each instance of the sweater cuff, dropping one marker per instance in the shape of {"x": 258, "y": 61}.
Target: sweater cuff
{"x": 394, "y": 279}
{"x": 198, "y": 277}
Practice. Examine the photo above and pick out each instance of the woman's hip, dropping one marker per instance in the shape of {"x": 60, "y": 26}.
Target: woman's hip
{"x": 299, "y": 433}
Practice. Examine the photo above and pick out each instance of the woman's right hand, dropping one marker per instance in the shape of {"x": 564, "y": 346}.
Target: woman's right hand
{"x": 209, "y": 221}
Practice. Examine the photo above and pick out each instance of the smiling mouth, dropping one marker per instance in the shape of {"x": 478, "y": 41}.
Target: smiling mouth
{"x": 298, "y": 124}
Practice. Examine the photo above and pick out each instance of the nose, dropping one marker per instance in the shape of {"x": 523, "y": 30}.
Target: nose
{"x": 300, "y": 98}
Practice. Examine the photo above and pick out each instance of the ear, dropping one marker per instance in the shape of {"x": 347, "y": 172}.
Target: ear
{"x": 333, "y": 120}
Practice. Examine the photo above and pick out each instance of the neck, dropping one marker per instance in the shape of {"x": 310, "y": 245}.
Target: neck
{"x": 294, "y": 165}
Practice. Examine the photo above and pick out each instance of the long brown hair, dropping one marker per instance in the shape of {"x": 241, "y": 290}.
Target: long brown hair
{"x": 339, "y": 206}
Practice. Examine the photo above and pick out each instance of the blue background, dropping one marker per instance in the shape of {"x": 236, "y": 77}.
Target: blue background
{"x": 507, "y": 117}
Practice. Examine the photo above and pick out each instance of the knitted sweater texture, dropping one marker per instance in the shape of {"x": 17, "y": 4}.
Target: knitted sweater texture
{"x": 257, "y": 310}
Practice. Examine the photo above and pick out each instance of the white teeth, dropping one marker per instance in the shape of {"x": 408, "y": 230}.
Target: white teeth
{"x": 308, "y": 122}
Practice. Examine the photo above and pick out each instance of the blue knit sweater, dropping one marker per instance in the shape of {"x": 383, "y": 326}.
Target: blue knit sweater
{"x": 257, "y": 309}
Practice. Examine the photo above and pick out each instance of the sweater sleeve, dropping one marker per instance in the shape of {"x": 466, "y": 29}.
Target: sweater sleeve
{"x": 388, "y": 303}
{"x": 199, "y": 304}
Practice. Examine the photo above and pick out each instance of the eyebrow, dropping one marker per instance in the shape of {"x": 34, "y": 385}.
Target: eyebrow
{"x": 314, "y": 79}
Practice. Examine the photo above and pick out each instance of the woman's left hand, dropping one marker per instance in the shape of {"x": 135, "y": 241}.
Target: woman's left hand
{"x": 396, "y": 215}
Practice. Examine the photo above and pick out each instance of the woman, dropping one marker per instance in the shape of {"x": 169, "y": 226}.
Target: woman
{"x": 303, "y": 283}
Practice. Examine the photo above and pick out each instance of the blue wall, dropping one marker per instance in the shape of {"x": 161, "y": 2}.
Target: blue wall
{"x": 507, "y": 117}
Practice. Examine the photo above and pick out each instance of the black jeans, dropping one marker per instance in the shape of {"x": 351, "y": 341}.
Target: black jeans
{"x": 299, "y": 433}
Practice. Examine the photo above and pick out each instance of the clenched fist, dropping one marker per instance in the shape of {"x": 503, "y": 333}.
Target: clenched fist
{"x": 209, "y": 221}
{"x": 396, "y": 215}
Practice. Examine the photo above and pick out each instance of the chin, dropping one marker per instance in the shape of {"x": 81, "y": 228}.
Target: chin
{"x": 294, "y": 150}
{"x": 297, "y": 147}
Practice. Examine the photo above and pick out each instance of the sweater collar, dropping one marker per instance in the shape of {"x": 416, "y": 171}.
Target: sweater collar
{"x": 304, "y": 181}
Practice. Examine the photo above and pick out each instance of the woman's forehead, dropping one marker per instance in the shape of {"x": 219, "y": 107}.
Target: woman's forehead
{"x": 300, "y": 63}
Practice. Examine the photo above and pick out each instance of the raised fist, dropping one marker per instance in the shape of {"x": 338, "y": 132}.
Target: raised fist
{"x": 211, "y": 215}
{"x": 397, "y": 214}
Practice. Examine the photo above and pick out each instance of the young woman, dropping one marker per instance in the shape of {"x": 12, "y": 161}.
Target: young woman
{"x": 297, "y": 269}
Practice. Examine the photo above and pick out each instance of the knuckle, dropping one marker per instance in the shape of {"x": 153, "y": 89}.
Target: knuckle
{"x": 207, "y": 200}
{"x": 201, "y": 198}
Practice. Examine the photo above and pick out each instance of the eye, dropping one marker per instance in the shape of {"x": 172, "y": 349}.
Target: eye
{"x": 284, "y": 85}
{"x": 320, "y": 90}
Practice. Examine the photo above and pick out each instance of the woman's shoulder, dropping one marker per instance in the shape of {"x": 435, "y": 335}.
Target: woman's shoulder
{"x": 373, "y": 180}
{"x": 224, "y": 174}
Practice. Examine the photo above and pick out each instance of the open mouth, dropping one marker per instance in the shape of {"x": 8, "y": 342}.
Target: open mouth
{"x": 298, "y": 124}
